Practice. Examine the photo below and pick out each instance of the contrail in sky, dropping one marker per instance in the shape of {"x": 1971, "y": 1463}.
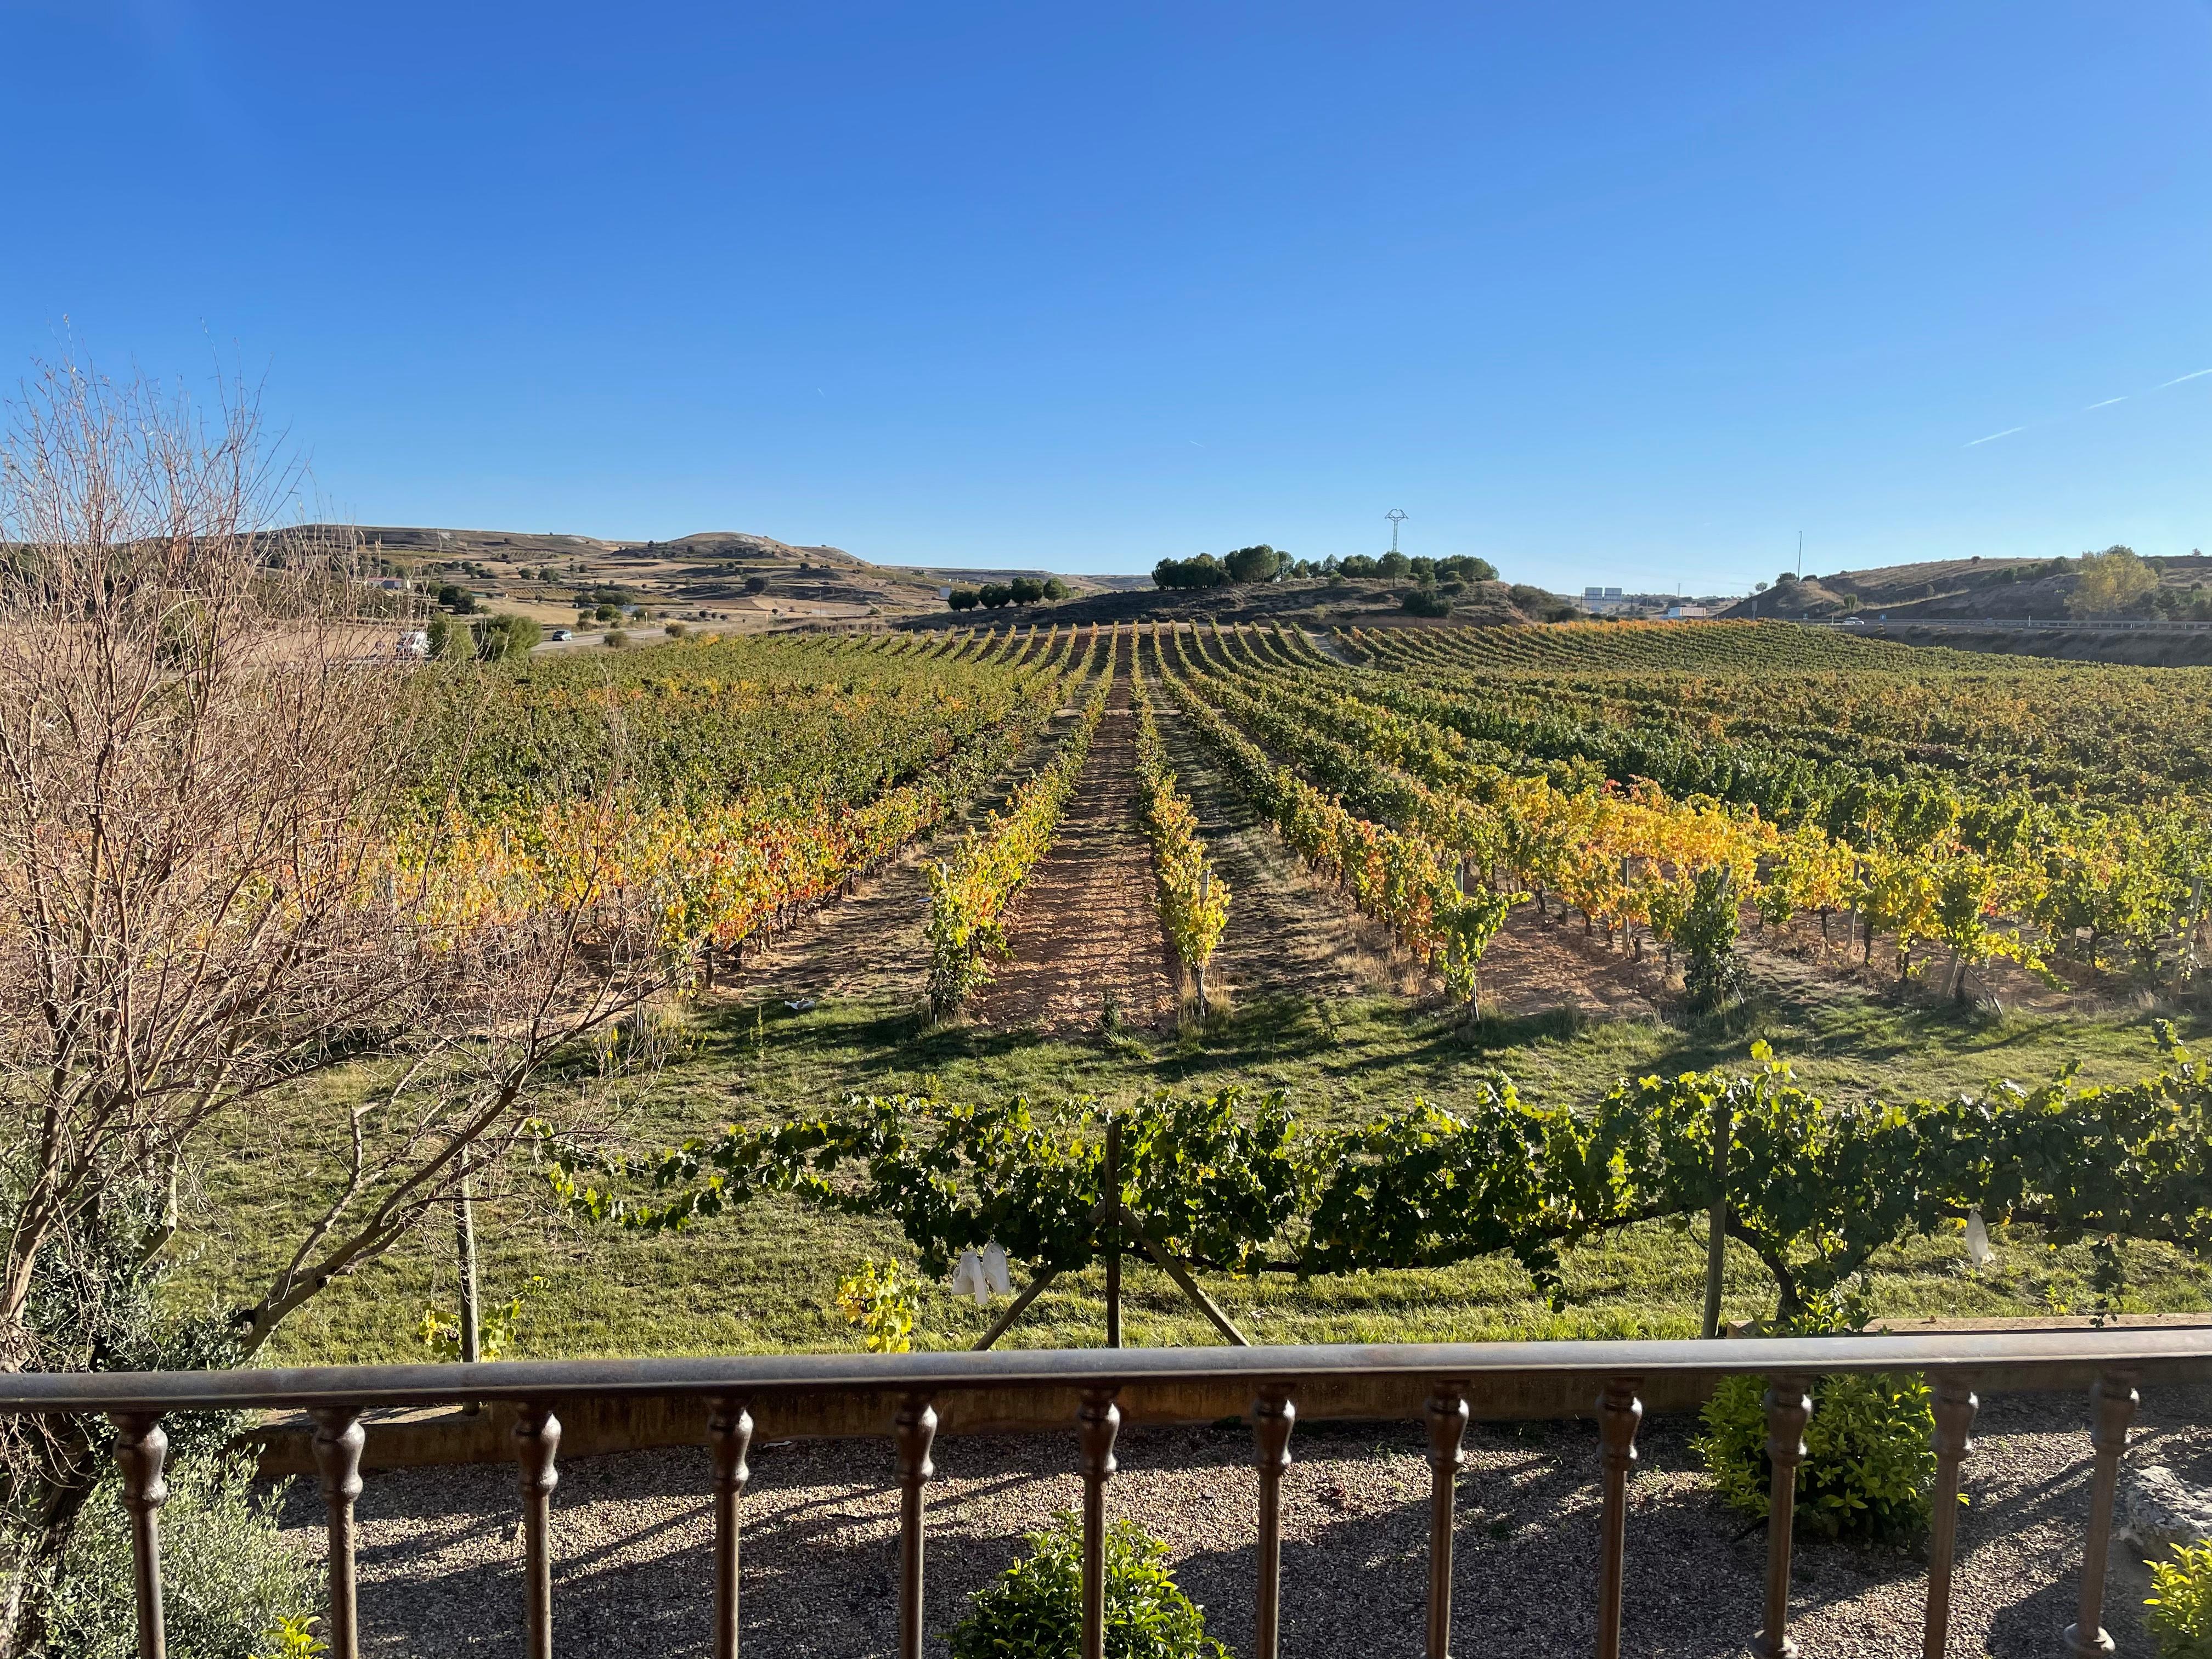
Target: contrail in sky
{"x": 2194, "y": 375}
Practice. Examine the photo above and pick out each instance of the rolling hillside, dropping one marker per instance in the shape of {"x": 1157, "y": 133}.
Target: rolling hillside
{"x": 725, "y": 576}
{"x": 1956, "y": 590}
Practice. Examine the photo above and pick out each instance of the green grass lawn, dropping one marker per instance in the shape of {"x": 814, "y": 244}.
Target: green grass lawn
{"x": 763, "y": 1279}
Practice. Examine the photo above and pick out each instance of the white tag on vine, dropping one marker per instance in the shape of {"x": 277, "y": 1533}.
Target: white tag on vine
{"x": 995, "y": 1270}
{"x": 1978, "y": 1239}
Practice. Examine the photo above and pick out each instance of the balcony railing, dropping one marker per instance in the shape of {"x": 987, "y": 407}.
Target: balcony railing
{"x": 1089, "y": 1391}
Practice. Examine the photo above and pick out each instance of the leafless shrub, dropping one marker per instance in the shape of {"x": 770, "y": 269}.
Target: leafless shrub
{"x": 204, "y": 747}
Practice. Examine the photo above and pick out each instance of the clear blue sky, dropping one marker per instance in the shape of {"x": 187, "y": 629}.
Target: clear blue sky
{"x": 1622, "y": 293}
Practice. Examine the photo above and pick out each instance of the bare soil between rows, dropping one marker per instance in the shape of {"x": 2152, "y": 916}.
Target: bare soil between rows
{"x": 1085, "y": 928}
{"x": 1085, "y": 933}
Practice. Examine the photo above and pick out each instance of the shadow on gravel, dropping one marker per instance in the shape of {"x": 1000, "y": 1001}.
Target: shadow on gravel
{"x": 820, "y": 1544}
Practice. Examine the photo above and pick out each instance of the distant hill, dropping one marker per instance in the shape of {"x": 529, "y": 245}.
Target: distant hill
{"x": 712, "y": 575}
{"x": 977, "y": 575}
{"x": 737, "y": 579}
{"x": 1952, "y": 590}
{"x": 477, "y": 543}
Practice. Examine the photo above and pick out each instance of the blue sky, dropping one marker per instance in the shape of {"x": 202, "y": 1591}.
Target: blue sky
{"x": 1629, "y": 294}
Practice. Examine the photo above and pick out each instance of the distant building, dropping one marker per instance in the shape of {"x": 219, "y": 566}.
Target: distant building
{"x": 1604, "y": 600}
{"x": 1688, "y": 612}
{"x": 414, "y": 642}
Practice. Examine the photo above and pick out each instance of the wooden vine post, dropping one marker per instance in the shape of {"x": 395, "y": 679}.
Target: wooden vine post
{"x": 1205, "y": 897}
{"x": 1119, "y": 1227}
{"x": 1716, "y": 1217}
{"x": 464, "y": 1240}
{"x": 2195, "y": 925}
{"x": 1110, "y": 1194}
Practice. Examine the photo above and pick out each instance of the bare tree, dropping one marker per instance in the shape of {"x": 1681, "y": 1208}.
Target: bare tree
{"x": 214, "y": 884}
{"x": 195, "y": 760}
{"x": 569, "y": 958}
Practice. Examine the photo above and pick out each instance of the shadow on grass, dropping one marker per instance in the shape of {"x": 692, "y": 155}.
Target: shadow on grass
{"x": 1847, "y": 1042}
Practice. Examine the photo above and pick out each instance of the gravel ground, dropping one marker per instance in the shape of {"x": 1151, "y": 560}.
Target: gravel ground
{"x": 439, "y": 1558}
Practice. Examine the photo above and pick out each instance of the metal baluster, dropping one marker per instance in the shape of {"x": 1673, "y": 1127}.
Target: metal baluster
{"x": 1788, "y": 1409}
{"x": 912, "y": 1431}
{"x": 1955, "y": 1405}
{"x": 1272, "y": 1415}
{"x": 337, "y": 1443}
{"x": 730, "y": 1431}
{"x": 536, "y": 1439}
{"x": 1446, "y": 1417}
{"x": 142, "y": 1449}
{"x": 1096, "y": 1425}
{"x": 2113, "y": 1402}
{"x": 1619, "y": 1411}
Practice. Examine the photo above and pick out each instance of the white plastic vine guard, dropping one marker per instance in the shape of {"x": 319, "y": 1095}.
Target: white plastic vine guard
{"x": 1978, "y": 1240}
{"x": 967, "y": 1278}
{"x": 982, "y": 1276}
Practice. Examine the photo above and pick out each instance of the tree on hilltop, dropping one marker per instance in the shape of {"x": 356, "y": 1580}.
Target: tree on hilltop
{"x": 1260, "y": 563}
{"x": 2111, "y": 583}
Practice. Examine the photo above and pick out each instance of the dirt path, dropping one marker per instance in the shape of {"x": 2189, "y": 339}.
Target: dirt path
{"x": 1534, "y": 965}
{"x": 869, "y": 943}
{"x": 1325, "y": 644}
{"x": 873, "y": 941}
{"x": 1084, "y": 928}
{"x": 1288, "y": 932}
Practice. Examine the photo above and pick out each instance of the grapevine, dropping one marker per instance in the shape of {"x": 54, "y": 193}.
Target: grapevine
{"x": 968, "y": 892}
{"x": 1812, "y": 1187}
{"x": 1193, "y": 900}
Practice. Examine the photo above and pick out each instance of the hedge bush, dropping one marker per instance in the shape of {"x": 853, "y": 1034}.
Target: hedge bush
{"x": 1869, "y": 1467}
{"x": 1034, "y": 1610}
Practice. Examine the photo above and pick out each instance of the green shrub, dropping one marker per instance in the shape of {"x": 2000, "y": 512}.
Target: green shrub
{"x": 2180, "y": 1616}
{"x": 294, "y": 1636}
{"x": 1706, "y": 930}
{"x": 228, "y": 1577}
{"x": 1870, "y": 1462}
{"x": 881, "y": 1298}
{"x": 505, "y": 637}
{"x": 1035, "y": 1608}
{"x": 1425, "y": 602}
